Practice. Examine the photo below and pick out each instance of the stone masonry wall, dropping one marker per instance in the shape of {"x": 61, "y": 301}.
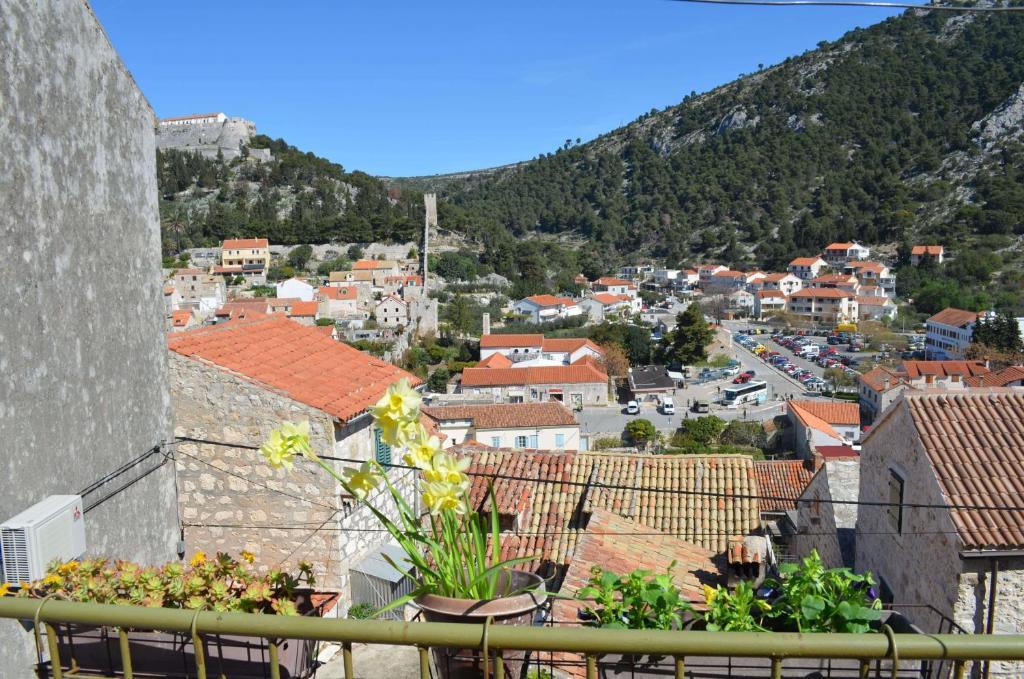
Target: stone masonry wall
{"x": 971, "y": 608}
{"x": 819, "y": 521}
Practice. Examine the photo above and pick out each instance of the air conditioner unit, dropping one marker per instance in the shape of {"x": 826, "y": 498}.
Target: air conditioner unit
{"x": 48, "y": 530}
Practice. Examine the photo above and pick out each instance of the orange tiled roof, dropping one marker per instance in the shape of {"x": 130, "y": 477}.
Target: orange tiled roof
{"x": 245, "y": 243}
{"x": 915, "y": 369}
{"x": 730, "y": 274}
{"x": 294, "y": 359}
{"x": 933, "y": 250}
{"x": 1000, "y": 378}
{"x": 783, "y": 479}
{"x": 558, "y": 374}
{"x": 612, "y": 280}
{"x": 839, "y": 246}
{"x": 190, "y": 272}
{"x": 568, "y": 344}
{"x": 833, "y": 412}
{"x": 823, "y": 293}
{"x": 257, "y": 304}
{"x": 805, "y": 261}
{"x": 548, "y": 512}
{"x": 366, "y": 265}
{"x": 777, "y": 277}
{"x": 303, "y": 309}
{"x": 495, "y": 361}
{"x": 550, "y": 300}
{"x": 181, "y": 318}
{"x": 835, "y": 278}
{"x": 955, "y": 317}
{"x": 812, "y": 421}
{"x": 345, "y": 292}
{"x": 607, "y": 298}
{"x": 506, "y": 415}
{"x": 763, "y": 294}
{"x": 511, "y": 340}
{"x": 874, "y": 300}
{"x": 975, "y": 443}
{"x": 876, "y": 377}
{"x": 873, "y": 267}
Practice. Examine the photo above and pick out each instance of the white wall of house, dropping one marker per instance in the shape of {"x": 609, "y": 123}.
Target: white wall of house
{"x": 544, "y": 438}
{"x": 295, "y": 288}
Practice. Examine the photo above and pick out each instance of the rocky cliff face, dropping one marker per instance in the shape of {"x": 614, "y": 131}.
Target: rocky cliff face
{"x": 227, "y": 138}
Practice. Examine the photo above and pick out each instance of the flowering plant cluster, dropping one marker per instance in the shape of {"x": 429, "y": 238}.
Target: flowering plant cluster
{"x": 221, "y": 583}
{"x": 451, "y": 549}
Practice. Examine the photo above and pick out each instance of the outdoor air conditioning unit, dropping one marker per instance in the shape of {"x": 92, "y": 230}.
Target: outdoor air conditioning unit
{"x": 48, "y": 530}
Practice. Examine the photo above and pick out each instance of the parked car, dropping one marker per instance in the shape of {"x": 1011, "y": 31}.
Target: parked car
{"x": 632, "y": 408}
{"x": 742, "y": 379}
{"x": 668, "y": 406}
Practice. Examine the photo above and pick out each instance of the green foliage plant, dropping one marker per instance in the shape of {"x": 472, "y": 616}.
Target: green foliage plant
{"x": 639, "y": 600}
{"x": 736, "y": 611}
{"x": 818, "y": 599}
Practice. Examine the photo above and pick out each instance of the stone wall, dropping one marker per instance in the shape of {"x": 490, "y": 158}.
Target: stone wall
{"x": 82, "y": 352}
{"x": 971, "y": 608}
{"x": 825, "y": 526}
{"x": 208, "y": 139}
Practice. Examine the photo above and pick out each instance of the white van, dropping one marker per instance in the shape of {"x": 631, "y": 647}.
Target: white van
{"x": 668, "y": 407}
{"x": 810, "y": 351}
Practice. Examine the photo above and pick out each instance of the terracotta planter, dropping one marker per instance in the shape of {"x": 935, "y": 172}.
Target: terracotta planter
{"x": 516, "y": 609}
{"x": 96, "y": 650}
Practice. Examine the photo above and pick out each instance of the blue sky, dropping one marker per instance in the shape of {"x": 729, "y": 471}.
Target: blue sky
{"x": 410, "y": 88}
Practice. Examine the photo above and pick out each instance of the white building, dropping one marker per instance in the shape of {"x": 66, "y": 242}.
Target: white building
{"x": 873, "y": 274}
{"x": 875, "y": 308}
{"x": 544, "y": 308}
{"x": 614, "y": 286}
{"x": 922, "y": 253}
{"x": 838, "y": 254}
{"x": 950, "y": 332}
{"x": 823, "y": 423}
{"x": 338, "y": 301}
{"x": 824, "y": 305}
{"x": 786, "y": 283}
{"x": 197, "y": 119}
{"x": 667, "y": 277}
{"x": 544, "y": 426}
{"x": 741, "y": 299}
{"x": 605, "y": 305}
{"x": 296, "y": 288}
{"x": 706, "y": 272}
{"x": 806, "y": 268}
{"x": 767, "y": 303}
{"x": 535, "y": 350}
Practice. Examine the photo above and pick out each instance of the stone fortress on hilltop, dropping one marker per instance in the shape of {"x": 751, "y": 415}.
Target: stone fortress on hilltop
{"x": 208, "y": 134}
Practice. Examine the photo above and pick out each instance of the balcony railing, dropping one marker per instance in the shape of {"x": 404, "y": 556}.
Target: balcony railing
{"x": 492, "y": 641}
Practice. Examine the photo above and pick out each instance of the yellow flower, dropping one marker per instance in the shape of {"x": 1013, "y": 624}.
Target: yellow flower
{"x": 422, "y": 449}
{"x": 66, "y": 568}
{"x": 439, "y": 497}
{"x": 448, "y": 469}
{"x": 5, "y": 588}
{"x": 400, "y": 402}
{"x": 247, "y": 556}
{"x": 709, "y": 594}
{"x": 395, "y": 431}
{"x": 363, "y": 480}
{"x": 53, "y": 579}
{"x": 284, "y": 442}
{"x": 198, "y": 559}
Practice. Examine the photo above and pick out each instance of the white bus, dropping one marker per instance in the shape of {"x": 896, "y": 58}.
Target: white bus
{"x": 751, "y": 392}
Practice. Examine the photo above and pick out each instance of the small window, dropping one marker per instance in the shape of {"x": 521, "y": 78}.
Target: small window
{"x": 895, "y": 507}
{"x": 381, "y": 450}
{"x": 559, "y": 440}
{"x": 533, "y": 441}
{"x": 521, "y": 441}
{"x": 496, "y": 442}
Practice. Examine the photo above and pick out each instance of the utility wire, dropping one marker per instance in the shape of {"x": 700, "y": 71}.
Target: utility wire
{"x": 670, "y": 491}
{"x": 855, "y": 3}
{"x": 120, "y": 470}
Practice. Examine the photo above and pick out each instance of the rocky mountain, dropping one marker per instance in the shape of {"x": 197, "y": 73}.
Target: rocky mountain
{"x": 904, "y": 131}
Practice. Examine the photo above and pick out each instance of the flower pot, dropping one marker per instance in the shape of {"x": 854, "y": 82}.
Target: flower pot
{"x": 513, "y": 609}
{"x": 96, "y": 650}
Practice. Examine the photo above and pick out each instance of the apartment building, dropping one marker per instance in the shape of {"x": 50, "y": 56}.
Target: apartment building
{"x": 807, "y": 268}
{"x": 824, "y": 305}
{"x": 949, "y": 332}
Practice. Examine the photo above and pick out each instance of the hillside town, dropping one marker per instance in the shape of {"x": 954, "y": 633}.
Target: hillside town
{"x": 371, "y": 459}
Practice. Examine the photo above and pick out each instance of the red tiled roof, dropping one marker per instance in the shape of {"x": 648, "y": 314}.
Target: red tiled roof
{"x": 303, "y": 309}
{"x": 833, "y": 412}
{"x": 568, "y": 344}
{"x": 776, "y": 277}
{"x": 495, "y": 361}
{"x": 823, "y": 293}
{"x": 933, "y": 250}
{"x": 180, "y": 318}
{"x": 506, "y": 416}
{"x": 805, "y": 261}
{"x": 812, "y": 421}
{"x": 839, "y": 246}
{"x": 510, "y": 340}
{"x": 975, "y": 443}
{"x": 873, "y": 267}
{"x": 833, "y": 278}
{"x": 874, "y": 300}
{"x": 226, "y": 269}
{"x": 955, "y": 317}
{"x": 781, "y": 479}
{"x": 366, "y": 265}
{"x": 550, "y": 300}
{"x": 189, "y": 272}
{"x": 345, "y": 292}
{"x": 394, "y": 298}
{"x": 295, "y": 359}
{"x": 258, "y": 304}
{"x": 607, "y": 298}
{"x": 1012, "y": 373}
{"x": 559, "y": 374}
{"x": 913, "y": 369}
{"x": 245, "y": 243}
{"x": 612, "y": 280}
{"x": 770, "y": 293}
{"x": 835, "y": 452}
{"x": 876, "y": 377}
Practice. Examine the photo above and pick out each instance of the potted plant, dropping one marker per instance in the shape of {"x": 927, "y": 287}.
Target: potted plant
{"x": 452, "y": 551}
{"x": 221, "y": 583}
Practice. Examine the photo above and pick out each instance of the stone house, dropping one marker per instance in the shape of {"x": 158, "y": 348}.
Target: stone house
{"x": 823, "y": 521}
{"x": 581, "y": 383}
{"x": 391, "y": 312}
{"x": 234, "y": 383}
{"x": 542, "y": 426}
{"x": 200, "y": 291}
{"x": 937, "y": 449}
{"x": 305, "y": 313}
{"x": 878, "y": 389}
{"x": 338, "y": 301}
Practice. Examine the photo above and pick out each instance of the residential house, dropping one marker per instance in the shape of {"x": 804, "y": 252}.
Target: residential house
{"x": 411, "y": 287}
{"x": 614, "y": 286}
{"x": 238, "y": 381}
{"x": 581, "y": 280}
{"x": 667, "y": 278}
{"x": 242, "y": 308}
{"x": 780, "y": 484}
{"x": 944, "y": 374}
{"x": 338, "y": 301}
{"x": 786, "y": 283}
{"x": 296, "y": 288}
{"x": 377, "y": 270}
{"x": 878, "y": 389}
{"x": 807, "y": 268}
{"x": 846, "y": 282}
{"x": 768, "y": 303}
{"x": 584, "y": 382}
{"x": 826, "y": 516}
{"x": 637, "y": 272}
{"x": 874, "y": 308}
{"x": 822, "y": 423}
{"x": 544, "y": 426}
{"x": 838, "y": 254}
{"x": 602, "y": 306}
{"x": 727, "y": 280}
{"x": 391, "y": 312}
{"x": 199, "y": 291}
{"x": 950, "y": 332}
{"x": 872, "y": 273}
{"x": 934, "y": 450}
{"x": 706, "y": 272}
{"x": 1010, "y": 376}
{"x": 924, "y": 253}
{"x": 537, "y": 350}
{"x": 304, "y": 313}
{"x": 651, "y": 382}
{"x": 545, "y": 308}
{"x": 250, "y": 274}
{"x": 172, "y": 298}
{"x": 690, "y": 278}
{"x": 829, "y": 306}
{"x": 182, "y": 320}
{"x": 741, "y": 299}
{"x": 242, "y": 252}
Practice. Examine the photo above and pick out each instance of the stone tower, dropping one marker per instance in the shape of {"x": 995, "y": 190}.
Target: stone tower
{"x": 429, "y": 221}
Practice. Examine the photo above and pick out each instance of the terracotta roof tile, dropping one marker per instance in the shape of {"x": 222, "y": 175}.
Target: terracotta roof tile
{"x": 612, "y": 280}
{"x": 510, "y": 340}
{"x": 507, "y": 415}
{"x": 806, "y": 261}
{"x": 340, "y": 292}
{"x": 933, "y": 250}
{"x": 781, "y": 479}
{"x": 835, "y": 452}
{"x": 244, "y": 243}
{"x": 765, "y": 294}
{"x": 550, "y": 300}
{"x": 495, "y": 361}
{"x": 839, "y": 246}
{"x": 833, "y": 412}
{"x": 876, "y": 378}
{"x": 955, "y": 317}
{"x": 914, "y": 369}
{"x": 975, "y": 443}
{"x": 607, "y": 298}
{"x": 559, "y": 374}
{"x": 777, "y": 277}
{"x": 295, "y": 359}
{"x": 303, "y": 309}
{"x": 1001, "y": 378}
{"x": 568, "y": 344}
{"x": 823, "y": 293}
{"x": 181, "y": 318}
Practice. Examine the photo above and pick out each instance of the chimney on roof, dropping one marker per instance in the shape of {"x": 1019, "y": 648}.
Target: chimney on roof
{"x": 814, "y": 464}
{"x": 487, "y": 323}
{"x": 885, "y": 384}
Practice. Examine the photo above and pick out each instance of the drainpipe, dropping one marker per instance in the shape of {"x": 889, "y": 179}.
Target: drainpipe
{"x": 992, "y": 589}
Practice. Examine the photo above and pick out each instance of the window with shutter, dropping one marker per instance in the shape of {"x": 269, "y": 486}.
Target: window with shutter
{"x": 382, "y": 451}
{"x": 559, "y": 440}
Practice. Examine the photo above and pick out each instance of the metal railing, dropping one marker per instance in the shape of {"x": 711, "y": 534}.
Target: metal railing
{"x": 495, "y": 640}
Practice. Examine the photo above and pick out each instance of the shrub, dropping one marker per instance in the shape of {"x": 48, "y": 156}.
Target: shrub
{"x": 744, "y": 433}
{"x": 361, "y": 611}
{"x": 704, "y": 430}
{"x": 640, "y": 431}
{"x": 606, "y": 442}
{"x": 635, "y": 601}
